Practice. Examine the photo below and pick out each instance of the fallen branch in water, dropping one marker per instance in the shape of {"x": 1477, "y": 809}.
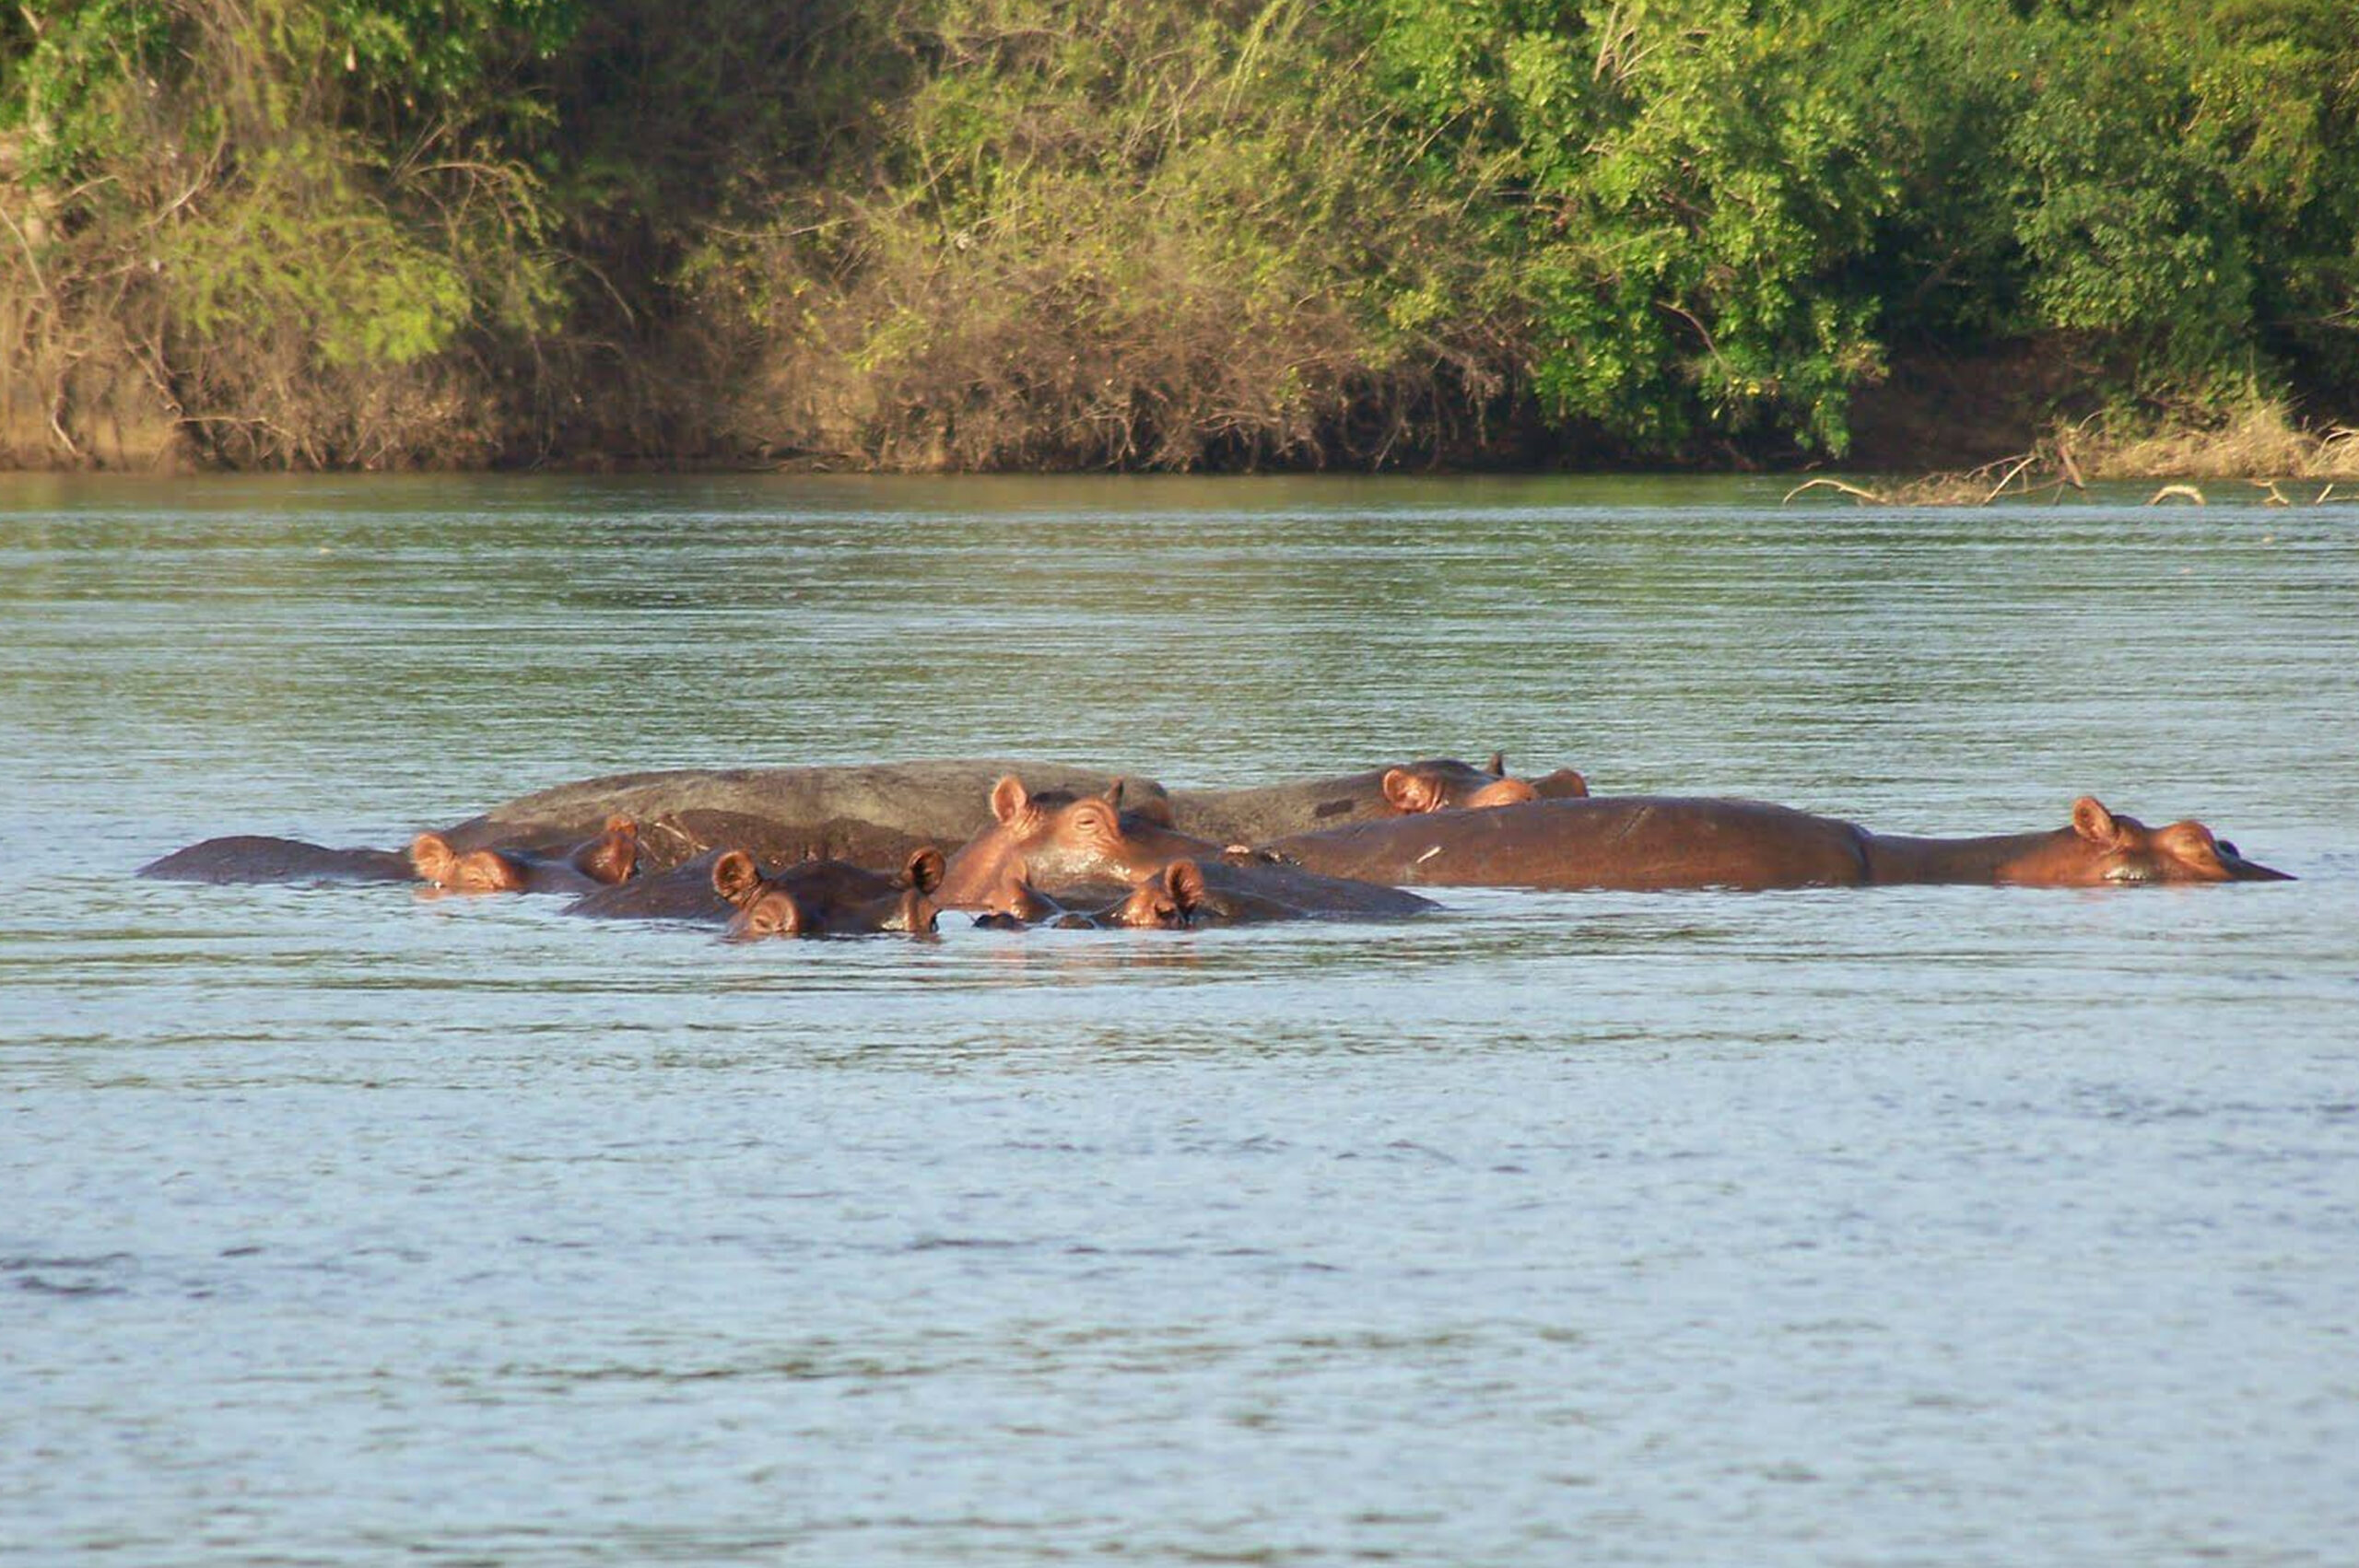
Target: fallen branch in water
{"x": 2186, "y": 492}
{"x": 1852, "y": 491}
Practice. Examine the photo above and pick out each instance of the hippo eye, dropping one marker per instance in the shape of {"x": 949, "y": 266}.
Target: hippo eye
{"x": 2227, "y": 849}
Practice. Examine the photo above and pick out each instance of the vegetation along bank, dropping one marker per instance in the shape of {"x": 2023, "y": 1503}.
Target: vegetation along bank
{"x": 1176, "y": 234}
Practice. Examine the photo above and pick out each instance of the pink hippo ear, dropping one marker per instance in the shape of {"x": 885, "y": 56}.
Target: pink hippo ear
{"x": 923, "y": 872}
{"x": 432, "y": 858}
{"x": 613, "y": 855}
{"x": 1009, "y": 801}
{"x": 736, "y": 878}
{"x": 1410, "y": 793}
{"x": 1184, "y": 879}
{"x": 2094, "y": 822}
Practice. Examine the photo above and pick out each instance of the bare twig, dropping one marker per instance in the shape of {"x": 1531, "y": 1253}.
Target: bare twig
{"x": 1854, "y": 491}
{"x": 2021, "y": 464}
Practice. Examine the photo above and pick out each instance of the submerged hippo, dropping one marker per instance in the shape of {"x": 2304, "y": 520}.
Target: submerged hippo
{"x": 811, "y": 897}
{"x": 1233, "y": 889}
{"x": 608, "y": 858}
{"x": 1441, "y": 784}
{"x": 247, "y": 857}
{"x": 828, "y": 897}
{"x": 1649, "y": 843}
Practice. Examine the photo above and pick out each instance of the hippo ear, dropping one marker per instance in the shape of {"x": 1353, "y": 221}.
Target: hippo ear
{"x": 432, "y": 858}
{"x": 1498, "y": 768}
{"x": 1184, "y": 879}
{"x": 924, "y": 871}
{"x": 1008, "y": 800}
{"x": 735, "y": 877}
{"x": 614, "y": 856}
{"x": 1410, "y": 793}
{"x": 2094, "y": 822}
{"x": 1148, "y": 806}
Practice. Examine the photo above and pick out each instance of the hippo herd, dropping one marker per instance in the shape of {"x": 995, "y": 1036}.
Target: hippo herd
{"x": 819, "y": 851}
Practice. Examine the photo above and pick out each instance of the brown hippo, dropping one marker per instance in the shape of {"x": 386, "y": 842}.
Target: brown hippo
{"x": 608, "y": 858}
{"x": 810, "y": 897}
{"x": 828, "y": 897}
{"x": 876, "y": 813}
{"x": 1437, "y": 785}
{"x": 1230, "y": 889}
{"x": 1379, "y": 794}
{"x": 1649, "y": 843}
{"x": 246, "y": 858}
{"x": 1056, "y": 839}
{"x": 869, "y": 813}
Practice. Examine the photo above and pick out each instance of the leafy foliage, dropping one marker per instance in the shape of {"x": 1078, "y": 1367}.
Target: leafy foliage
{"x": 1031, "y": 232}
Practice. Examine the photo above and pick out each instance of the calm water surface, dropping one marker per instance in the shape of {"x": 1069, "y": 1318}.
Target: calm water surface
{"x": 1941, "y": 1226}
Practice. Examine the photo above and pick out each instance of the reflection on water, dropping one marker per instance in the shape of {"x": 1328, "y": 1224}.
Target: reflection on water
{"x": 1942, "y": 1224}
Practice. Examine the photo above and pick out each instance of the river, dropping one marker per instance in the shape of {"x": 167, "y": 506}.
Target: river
{"x": 1921, "y": 1225}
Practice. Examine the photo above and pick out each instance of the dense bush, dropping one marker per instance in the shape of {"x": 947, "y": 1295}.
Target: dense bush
{"x": 1169, "y": 233}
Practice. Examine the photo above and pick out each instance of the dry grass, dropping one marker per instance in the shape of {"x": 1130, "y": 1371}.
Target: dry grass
{"x": 2259, "y": 441}
{"x": 2259, "y": 444}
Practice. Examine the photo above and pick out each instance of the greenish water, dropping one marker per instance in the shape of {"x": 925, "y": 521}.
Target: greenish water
{"x": 1934, "y": 1224}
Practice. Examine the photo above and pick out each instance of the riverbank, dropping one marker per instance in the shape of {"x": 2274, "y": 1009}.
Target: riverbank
{"x": 1944, "y": 433}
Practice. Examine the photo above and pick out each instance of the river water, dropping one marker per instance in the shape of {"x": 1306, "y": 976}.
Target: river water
{"x": 1935, "y": 1225}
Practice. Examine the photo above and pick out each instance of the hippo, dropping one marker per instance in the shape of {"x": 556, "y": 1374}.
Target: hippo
{"x": 1056, "y": 839}
{"x": 810, "y": 897}
{"x": 1378, "y": 794}
{"x": 1231, "y": 889}
{"x": 878, "y": 814}
{"x": 608, "y": 858}
{"x": 875, "y": 813}
{"x": 1650, "y": 843}
{"x": 828, "y": 897}
{"x": 1437, "y": 785}
{"x": 246, "y": 858}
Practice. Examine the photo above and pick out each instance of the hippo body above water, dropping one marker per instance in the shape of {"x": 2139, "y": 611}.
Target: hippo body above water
{"x": 1641, "y": 843}
{"x": 879, "y": 814}
{"x": 251, "y": 858}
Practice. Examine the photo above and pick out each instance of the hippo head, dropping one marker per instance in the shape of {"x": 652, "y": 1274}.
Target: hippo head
{"x": 1443, "y": 784}
{"x": 2103, "y": 849}
{"x": 826, "y": 897}
{"x": 478, "y": 871}
{"x": 1168, "y": 899}
{"x": 1055, "y": 839}
{"x": 612, "y": 856}
{"x": 608, "y": 858}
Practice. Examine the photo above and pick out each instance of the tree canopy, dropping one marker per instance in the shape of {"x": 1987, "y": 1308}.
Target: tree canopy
{"x": 1169, "y": 233}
